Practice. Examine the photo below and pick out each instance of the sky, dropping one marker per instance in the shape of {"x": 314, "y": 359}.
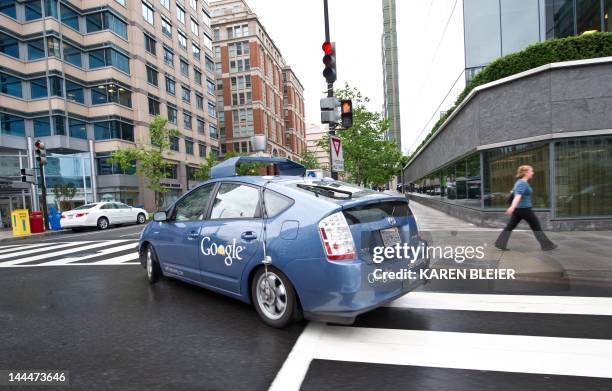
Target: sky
{"x": 430, "y": 39}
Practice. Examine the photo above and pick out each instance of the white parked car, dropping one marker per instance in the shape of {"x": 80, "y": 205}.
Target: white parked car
{"x": 102, "y": 215}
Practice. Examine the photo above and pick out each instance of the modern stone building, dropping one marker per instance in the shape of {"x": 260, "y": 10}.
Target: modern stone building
{"x": 391, "y": 72}
{"x": 314, "y": 134}
{"x": 88, "y": 77}
{"x": 257, "y": 92}
{"x": 556, "y": 118}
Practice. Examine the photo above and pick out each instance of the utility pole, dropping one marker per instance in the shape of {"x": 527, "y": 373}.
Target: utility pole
{"x": 330, "y": 89}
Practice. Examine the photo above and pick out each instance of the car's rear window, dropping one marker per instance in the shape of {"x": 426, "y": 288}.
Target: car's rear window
{"x": 336, "y": 190}
{"x": 362, "y": 214}
{"x": 86, "y": 206}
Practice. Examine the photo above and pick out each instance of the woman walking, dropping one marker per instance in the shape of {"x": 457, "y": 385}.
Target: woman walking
{"x": 520, "y": 209}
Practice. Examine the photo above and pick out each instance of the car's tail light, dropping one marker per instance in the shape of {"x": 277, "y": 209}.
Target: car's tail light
{"x": 63, "y": 216}
{"x": 337, "y": 238}
{"x": 80, "y": 215}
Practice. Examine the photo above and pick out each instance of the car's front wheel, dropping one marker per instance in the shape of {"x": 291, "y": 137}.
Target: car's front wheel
{"x": 274, "y": 297}
{"x": 141, "y": 218}
{"x": 152, "y": 265}
{"x": 102, "y": 223}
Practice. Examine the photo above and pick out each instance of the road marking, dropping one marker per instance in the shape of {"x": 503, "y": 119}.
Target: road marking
{"x": 19, "y": 247}
{"x": 575, "y": 305}
{"x": 102, "y": 252}
{"x": 62, "y": 252}
{"x": 37, "y": 250}
{"x": 120, "y": 260}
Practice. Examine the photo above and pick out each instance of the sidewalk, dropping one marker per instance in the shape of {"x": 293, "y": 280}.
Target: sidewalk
{"x": 581, "y": 256}
{"x": 7, "y": 234}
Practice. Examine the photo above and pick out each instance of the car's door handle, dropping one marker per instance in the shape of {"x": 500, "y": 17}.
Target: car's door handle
{"x": 249, "y": 235}
{"x": 193, "y": 236}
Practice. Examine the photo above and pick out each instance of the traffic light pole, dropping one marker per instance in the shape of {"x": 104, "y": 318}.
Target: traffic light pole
{"x": 330, "y": 91}
{"x": 43, "y": 189}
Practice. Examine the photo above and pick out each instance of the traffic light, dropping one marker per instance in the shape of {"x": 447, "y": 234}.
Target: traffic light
{"x": 346, "y": 110}
{"x": 330, "y": 110}
{"x": 41, "y": 152}
{"x": 329, "y": 59}
{"x": 27, "y": 175}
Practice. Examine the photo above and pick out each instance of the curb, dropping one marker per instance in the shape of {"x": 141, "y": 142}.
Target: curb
{"x": 33, "y": 236}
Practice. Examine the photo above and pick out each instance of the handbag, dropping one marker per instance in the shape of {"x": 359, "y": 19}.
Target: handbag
{"x": 510, "y": 198}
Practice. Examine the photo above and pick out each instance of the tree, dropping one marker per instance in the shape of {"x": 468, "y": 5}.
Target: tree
{"x": 203, "y": 172}
{"x": 64, "y": 192}
{"x": 150, "y": 161}
{"x": 369, "y": 159}
{"x": 309, "y": 160}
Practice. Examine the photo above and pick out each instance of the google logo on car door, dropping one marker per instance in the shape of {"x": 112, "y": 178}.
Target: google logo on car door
{"x": 230, "y": 251}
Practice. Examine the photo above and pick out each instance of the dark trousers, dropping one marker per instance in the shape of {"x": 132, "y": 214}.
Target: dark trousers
{"x": 531, "y": 219}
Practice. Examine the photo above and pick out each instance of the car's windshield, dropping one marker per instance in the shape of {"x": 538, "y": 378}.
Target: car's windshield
{"x": 86, "y": 206}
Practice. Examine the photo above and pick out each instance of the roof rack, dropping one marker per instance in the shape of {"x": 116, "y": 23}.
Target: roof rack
{"x": 227, "y": 168}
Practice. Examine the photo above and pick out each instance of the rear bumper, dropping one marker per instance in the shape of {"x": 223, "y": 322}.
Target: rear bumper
{"x": 76, "y": 223}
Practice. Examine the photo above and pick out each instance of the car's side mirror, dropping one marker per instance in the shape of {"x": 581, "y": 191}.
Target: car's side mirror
{"x": 160, "y": 216}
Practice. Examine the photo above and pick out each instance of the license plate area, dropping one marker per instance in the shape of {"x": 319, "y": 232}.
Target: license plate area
{"x": 390, "y": 236}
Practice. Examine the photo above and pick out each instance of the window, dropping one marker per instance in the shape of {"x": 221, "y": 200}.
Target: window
{"x": 240, "y": 65}
{"x": 75, "y": 92}
{"x": 59, "y": 125}
{"x": 110, "y": 130}
{"x": 166, "y": 27}
{"x": 165, "y": 3}
{"x": 193, "y": 206}
{"x": 217, "y": 52}
{"x": 202, "y": 150}
{"x": 180, "y": 14}
{"x": 199, "y": 101}
{"x": 207, "y": 41}
{"x": 108, "y": 57}
{"x": 197, "y": 75}
{"x": 42, "y": 127}
{"x": 174, "y": 143}
{"x": 111, "y": 93}
{"x": 201, "y": 126}
{"x": 193, "y": 4}
{"x": 583, "y": 168}
{"x": 588, "y": 16}
{"x": 182, "y": 40}
{"x": 189, "y": 147}
{"x": 213, "y": 131}
{"x": 186, "y": 120}
{"x": 276, "y": 203}
{"x": 70, "y": 17}
{"x": 33, "y": 10}
{"x": 238, "y": 49}
{"x": 9, "y": 46}
{"x": 38, "y": 88}
{"x": 106, "y": 21}
{"x": 12, "y": 125}
{"x": 153, "y": 106}
{"x": 147, "y": 12}
{"x": 10, "y": 85}
{"x": 8, "y": 8}
{"x": 210, "y": 64}
{"x": 212, "y": 110}
{"x": 149, "y": 44}
{"x": 210, "y": 86}
{"x": 235, "y": 201}
{"x": 36, "y": 49}
{"x": 72, "y": 55}
{"x": 206, "y": 18}
{"x": 184, "y": 66}
{"x": 186, "y": 94}
{"x": 168, "y": 57}
{"x": 195, "y": 49}
{"x": 195, "y": 28}
{"x": 77, "y": 129}
{"x": 172, "y": 116}
{"x": 170, "y": 85}
{"x": 152, "y": 76}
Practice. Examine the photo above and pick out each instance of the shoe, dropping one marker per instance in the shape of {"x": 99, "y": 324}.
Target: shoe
{"x": 549, "y": 248}
{"x": 501, "y": 248}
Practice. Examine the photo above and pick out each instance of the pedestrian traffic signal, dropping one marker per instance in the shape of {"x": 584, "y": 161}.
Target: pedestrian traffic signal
{"x": 27, "y": 175}
{"x": 346, "y": 110}
{"x": 329, "y": 59}
{"x": 41, "y": 152}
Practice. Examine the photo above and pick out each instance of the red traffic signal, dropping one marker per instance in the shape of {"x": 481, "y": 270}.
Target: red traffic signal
{"x": 329, "y": 48}
{"x": 39, "y": 144}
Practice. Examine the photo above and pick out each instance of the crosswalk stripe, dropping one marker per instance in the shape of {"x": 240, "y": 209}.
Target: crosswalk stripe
{"x": 8, "y": 246}
{"x": 59, "y": 253}
{"x": 506, "y": 303}
{"x": 17, "y": 248}
{"x": 122, "y": 259}
{"x": 106, "y": 251}
{"x": 29, "y": 250}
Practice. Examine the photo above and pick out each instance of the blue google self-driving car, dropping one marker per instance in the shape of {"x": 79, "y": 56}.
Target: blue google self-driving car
{"x": 292, "y": 245}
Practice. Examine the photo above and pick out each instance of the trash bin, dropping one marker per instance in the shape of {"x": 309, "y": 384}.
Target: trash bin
{"x": 55, "y": 218}
{"x": 37, "y": 223}
{"x": 20, "y": 222}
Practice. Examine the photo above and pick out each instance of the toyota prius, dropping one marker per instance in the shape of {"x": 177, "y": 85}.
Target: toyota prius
{"x": 290, "y": 245}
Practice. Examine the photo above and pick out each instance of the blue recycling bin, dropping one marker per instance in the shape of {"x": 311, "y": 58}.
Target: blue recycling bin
{"x": 55, "y": 218}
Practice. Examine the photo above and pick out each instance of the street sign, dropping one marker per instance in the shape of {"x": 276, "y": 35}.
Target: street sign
{"x": 337, "y": 156}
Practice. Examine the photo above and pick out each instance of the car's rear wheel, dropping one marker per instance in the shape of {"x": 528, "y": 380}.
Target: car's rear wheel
{"x": 274, "y": 297}
{"x": 152, "y": 266}
{"x": 102, "y": 223}
{"x": 141, "y": 218}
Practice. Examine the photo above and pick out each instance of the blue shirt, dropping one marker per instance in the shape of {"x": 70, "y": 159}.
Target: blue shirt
{"x": 522, "y": 187}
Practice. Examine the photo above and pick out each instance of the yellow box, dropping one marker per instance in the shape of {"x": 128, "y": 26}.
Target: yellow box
{"x": 20, "y": 221}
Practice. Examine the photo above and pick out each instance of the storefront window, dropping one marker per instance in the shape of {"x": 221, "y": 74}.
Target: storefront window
{"x": 583, "y": 177}
{"x": 500, "y": 167}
